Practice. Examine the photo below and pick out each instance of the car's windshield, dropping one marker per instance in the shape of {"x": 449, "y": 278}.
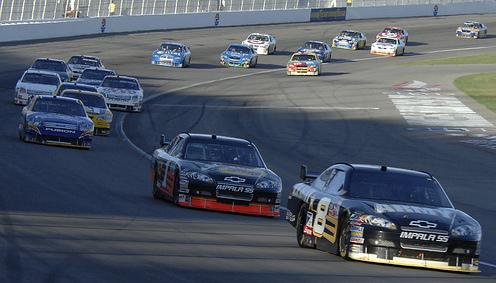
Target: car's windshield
{"x": 351, "y": 34}
{"x": 78, "y": 60}
{"x": 59, "y": 106}
{"x": 303, "y": 57}
{"x": 388, "y": 186}
{"x": 76, "y": 87}
{"x": 239, "y": 49}
{"x": 170, "y": 47}
{"x": 258, "y": 37}
{"x": 120, "y": 83}
{"x": 228, "y": 153}
{"x": 313, "y": 45}
{"x": 392, "y": 30}
{"x": 387, "y": 40}
{"x": 44, "y": 79}
{"x": 97, "y": 75}
{"x": 469, "y": 25}
{"x": 51, "y": 65}
{"x": 89, "y": 100}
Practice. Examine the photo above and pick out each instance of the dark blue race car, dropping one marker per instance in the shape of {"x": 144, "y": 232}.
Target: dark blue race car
{"x": 238, "y": 55}
{"x": 172, "y": 54}
{"x": 56, "y": 120}
{"x": 319, "y": 48}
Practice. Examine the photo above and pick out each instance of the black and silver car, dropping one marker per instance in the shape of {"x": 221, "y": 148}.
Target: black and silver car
{"x": 78, "y": 63}
{"x": 216, "y": 173}
{"x": 53, "y": 65}
{"x": 384, "y": 215}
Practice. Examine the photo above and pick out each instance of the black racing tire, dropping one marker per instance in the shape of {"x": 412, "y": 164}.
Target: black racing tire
{"x": 275, "y": 49}
{"x": 344, "y": 240}
{"x": 300, "y": 224}
{"x": 175, "y": 193}
{"x": 155, "y": 192}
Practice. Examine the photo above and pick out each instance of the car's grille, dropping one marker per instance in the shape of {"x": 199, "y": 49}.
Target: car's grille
{"x": 38, "y": 92}
{"x": 60, "y": 125}
{"x": 429, "y": 248}
{"x": 233, "y": 192}
{"x": 119, "y": 98}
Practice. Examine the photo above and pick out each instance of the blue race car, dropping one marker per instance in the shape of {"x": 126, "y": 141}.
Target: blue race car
{"x": 56, "y": 120}
{"x": 319, "y": 48}
{"x": 350, "y": 39}
{"x": 172, "y": 54}
{"x": 238, "y": 55}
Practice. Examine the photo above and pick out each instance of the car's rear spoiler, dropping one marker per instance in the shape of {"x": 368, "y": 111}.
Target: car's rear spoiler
{"x": 305, "y": 175}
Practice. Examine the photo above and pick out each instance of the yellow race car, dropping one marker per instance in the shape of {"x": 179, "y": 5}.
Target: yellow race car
{"x": 96, "y": 108}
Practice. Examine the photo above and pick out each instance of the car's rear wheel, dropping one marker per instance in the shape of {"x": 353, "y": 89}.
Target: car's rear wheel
{"x": 303, "y": 240}
{"x": 344, "y": 240}
{"x": 175, "y": 193}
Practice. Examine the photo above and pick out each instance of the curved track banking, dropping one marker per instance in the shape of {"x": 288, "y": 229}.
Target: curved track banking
{"x": 88, "y": 216}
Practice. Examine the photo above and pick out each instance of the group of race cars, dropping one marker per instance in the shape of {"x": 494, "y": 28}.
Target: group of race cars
{"x": 362, "y": 212}
{"x": 308, "y": 59}
{"x": 68, "y": 103}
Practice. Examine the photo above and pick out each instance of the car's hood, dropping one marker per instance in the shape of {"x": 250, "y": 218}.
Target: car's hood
{"x": 166, "y": 52}
{"x": 118, "y": 91}
{"x": 78, "y": 67}
{"x": 344, "y": 38}
{"x": 237, "y": 175}
{"x": 414, "y": 215}
{"x": 302, "y": 63}
{"x": 310, "y": 50}
{"x": 389, "y": 34}
{"x": 386, "y": 45}
{"x": 89, "y": 82}
{"x": 55, "y": 118}
{"x": 37, "y": 87}
{"x": 256, "y": 42}
{"x": 236, "y": 55}
{"x": 95, "y": 110}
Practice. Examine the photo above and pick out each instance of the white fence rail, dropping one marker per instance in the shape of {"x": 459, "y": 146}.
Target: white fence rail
{"x": 33, "y": 10}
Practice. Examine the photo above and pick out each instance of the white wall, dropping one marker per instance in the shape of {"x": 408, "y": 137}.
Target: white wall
{"x": 355, "y": 13}
{"x": 88, "y": 26}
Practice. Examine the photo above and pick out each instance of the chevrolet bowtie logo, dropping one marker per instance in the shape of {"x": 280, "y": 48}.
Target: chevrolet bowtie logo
{"x": 423, "y": 224}
{"x": 234, "y": 179}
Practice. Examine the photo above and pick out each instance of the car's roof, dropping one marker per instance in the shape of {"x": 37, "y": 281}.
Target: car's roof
{"x": 205, "y": 137}
{"x": 349, "y": 30}
{"x": 381, "y": 168}
{"x": 50, "y": 97}
{"x": 257, "y": 33}
{"x": 172, "y": 42}
{"x": 121, "y": 77}
{"x": 304, "y": 53}
{"x": 41, "y": 72}
{"x": 471, "y": 22}
{"x": 87, "y": 57}
{"x": 393, "y": 27}
{"x": 81, "y": 92}
{"x": 50, "y": 59}
{"x": 315, "y": 41}
{"x": 98, "y": 69}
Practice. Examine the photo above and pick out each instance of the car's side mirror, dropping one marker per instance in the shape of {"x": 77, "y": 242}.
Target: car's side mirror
{"x": 303, "y": 172}
{"x": 163, "y": 141}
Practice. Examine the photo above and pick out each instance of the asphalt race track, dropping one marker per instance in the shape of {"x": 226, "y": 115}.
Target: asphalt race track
{"x": 69, "y": 215}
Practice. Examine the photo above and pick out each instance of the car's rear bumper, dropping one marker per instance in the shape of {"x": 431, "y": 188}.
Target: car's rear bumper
{"x": 253, "y": 208}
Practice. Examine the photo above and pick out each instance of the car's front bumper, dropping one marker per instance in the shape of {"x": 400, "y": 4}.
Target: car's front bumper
{"x": 302, "y": 73}
{"x": 211, "y": 203}
{"x": 126, "y": 105}
{"x": 467, "y": 34}
{"x": 386, "y": 246}
{"x": 167, "y": 63}
{"x": 383, "y": 52}
{"x": 33, "y": 135}
{"x": 245, "y": 64}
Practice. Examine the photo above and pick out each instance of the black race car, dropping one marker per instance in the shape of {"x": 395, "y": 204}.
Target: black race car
{"x": 384, "y": 215}
{"x": 216, "y": 173}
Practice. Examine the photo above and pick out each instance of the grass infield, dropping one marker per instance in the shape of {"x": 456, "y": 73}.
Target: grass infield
{"x": 482, "y": 87}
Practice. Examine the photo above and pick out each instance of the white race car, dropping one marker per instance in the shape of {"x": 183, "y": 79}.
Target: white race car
{"x": 262, "y": 43}
{"x": 35, "y": 82}
{"x": 388, "y": 46}
{"x": 471, "y": 29}
{"x": 78, "y": 63}
{"x": 123, "y": 93}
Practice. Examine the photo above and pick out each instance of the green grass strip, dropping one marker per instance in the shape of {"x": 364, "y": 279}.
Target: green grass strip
{"x": 488, "y": 58}
{"x": 482, "y": 87}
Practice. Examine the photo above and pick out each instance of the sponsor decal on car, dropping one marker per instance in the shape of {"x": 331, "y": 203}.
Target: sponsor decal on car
{"x": 64, "y": 131}
{"x": 234, "y": 179}
{"x": 423, "y": 224}
{"x": 424, "y": 237}
{"x": 357, "y": 240}
{"x": 354, "y": 228}
{"x": 233, "y": 188}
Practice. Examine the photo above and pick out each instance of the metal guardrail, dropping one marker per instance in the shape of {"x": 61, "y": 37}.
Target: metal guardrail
{"x": 12, "y": 11}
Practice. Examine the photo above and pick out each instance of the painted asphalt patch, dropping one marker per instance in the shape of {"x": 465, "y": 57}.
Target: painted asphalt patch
{"x": 428, "y": 106}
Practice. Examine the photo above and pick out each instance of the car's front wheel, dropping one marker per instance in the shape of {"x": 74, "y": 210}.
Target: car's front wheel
{"x": 303, "y": 240}
{"x": 344, "y": 240}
